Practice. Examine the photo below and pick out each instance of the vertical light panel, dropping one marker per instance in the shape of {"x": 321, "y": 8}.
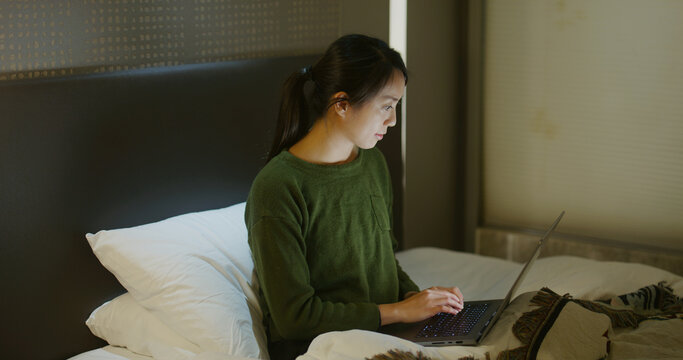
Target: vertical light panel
{"x": 583, "y": 112}
{"x": 398, "y": 20}
{"x": 398, "y": 40}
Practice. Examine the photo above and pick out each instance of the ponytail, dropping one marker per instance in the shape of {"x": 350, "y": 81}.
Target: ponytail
{"x": 356, "y": 64}
{"x": 294, "y": 119}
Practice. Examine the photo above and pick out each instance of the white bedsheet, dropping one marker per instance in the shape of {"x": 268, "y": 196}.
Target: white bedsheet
{"x": 110, "y": 353}
{"x": 480, "y": 278}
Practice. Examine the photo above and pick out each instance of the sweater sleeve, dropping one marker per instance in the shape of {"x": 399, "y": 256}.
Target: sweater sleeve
{"x": 296, "y": 311}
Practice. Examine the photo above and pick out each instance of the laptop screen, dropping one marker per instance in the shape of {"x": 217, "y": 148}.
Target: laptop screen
{"x": 522, "y": 274}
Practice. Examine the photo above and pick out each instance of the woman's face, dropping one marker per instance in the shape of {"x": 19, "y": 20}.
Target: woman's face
{"x": 368, "y": 123}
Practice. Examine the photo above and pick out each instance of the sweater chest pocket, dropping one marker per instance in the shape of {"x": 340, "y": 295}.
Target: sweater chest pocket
{"x": 379, "y": 208}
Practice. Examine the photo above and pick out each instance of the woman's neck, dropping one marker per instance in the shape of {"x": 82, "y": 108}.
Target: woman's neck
{"x": 324, "y": 145}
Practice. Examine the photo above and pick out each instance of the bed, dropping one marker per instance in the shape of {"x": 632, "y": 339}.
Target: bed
{"x": 154, "y": 166}
{"x": 479, "y": 277}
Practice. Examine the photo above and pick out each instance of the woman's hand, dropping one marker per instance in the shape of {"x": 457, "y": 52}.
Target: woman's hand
{"x": 419, "y": 306}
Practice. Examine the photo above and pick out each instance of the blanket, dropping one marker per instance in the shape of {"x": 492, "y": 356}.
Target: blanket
{"x": 557, "y": 326}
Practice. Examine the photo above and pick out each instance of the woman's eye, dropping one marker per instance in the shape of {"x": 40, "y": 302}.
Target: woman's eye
{"x": 388, "y": 107}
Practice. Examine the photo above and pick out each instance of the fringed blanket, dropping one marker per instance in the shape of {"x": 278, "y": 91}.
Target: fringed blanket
{"x": 572, "y": 328}
{"x": 407, "y": 355}
{"x": 654, "y": 302}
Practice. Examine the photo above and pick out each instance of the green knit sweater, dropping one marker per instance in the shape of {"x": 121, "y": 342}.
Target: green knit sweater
{"x": 323, "y": 246}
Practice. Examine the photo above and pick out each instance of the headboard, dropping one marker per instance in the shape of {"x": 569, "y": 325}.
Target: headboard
{"x": 85, "y": 153}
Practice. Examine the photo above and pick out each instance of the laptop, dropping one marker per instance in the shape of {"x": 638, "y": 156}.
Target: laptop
{"x": 472, "y": 323}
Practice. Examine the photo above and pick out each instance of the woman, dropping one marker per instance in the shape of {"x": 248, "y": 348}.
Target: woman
{"x": 319, "y": 213}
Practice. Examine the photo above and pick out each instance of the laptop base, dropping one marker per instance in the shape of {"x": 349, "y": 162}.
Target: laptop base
{"x": 409, "y": 331}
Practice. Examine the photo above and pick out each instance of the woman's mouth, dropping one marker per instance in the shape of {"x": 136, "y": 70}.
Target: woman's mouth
{"x": 379, "y": 136}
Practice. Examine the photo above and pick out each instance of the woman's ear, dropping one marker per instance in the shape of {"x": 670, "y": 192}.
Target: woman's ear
{"x": 340, "y": 102}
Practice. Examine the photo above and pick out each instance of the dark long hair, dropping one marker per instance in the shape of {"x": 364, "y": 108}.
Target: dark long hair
{"x": 356, "y": 64}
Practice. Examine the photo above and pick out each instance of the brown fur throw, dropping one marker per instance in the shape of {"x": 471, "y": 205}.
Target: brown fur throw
{"x": 407, "y": 355}
{"x": 400, "y": 355}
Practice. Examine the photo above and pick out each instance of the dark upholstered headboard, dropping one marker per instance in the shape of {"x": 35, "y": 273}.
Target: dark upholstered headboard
{"x": 81, "y": 154}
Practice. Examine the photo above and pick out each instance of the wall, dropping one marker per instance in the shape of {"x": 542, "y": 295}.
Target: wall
{"x": 365, "y": 17}
{"x": 434, "y": 102}
{"x": 582, "y": 112}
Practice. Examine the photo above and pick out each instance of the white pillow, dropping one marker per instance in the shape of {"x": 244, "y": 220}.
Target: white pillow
{"x": 194, "y": 272}
{"x": 125, "y": 323}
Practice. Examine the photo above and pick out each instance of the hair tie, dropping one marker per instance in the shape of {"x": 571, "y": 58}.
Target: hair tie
{"x": 309, "y": 85}
{"x": 308, "y": 72}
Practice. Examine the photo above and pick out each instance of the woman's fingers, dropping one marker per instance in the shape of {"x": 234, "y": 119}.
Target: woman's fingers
{"x": 457, "y": 293}
{"x": 445, "y": 297}
{"x": 453, "y": 290}
{"x": 429, "y": 302}
{"x": 449, "y": 310}
{"x": 457, "y": 303}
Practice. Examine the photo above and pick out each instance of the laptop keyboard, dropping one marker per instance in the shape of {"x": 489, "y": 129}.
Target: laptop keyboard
{"x": 445, "y": 324}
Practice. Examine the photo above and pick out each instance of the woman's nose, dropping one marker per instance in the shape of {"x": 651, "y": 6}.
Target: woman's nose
{"x": 391, "y": 121}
